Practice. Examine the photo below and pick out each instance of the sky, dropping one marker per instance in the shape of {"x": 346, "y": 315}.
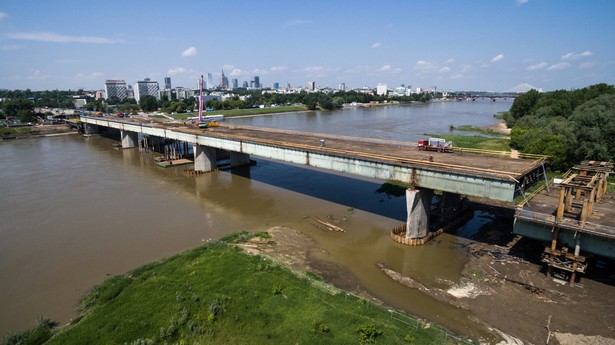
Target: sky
{"x": 481, "y": 45}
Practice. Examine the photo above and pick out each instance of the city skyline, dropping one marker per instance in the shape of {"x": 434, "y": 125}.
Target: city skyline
{"x": 480, "y": 45}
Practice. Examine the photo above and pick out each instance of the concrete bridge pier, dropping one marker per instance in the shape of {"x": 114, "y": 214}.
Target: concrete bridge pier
{"x": 129, "y": 139}
{"x": 204, "y": 159}
{"x": 418, "y": 204}
{"x": 89, "y": 128}
{"x": 239, "y": 159}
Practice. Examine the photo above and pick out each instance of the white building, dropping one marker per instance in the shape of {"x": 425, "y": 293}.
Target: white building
{"x": 382, "y": 89}
{"x": 146, "y": 87}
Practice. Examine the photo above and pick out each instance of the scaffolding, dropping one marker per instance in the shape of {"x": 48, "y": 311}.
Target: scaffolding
{"x": 579, "y": 192}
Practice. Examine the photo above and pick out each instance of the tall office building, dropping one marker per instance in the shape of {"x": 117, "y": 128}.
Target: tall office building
{"x": 209, "y": 82}
{"x": 116, "y": 88}
{"x": 146, "y": 87}
{"x": 223, "y": 81}
{"x": 235, "y": 83}
{"x": 311, "y": 85}
{"x": 167, "y": 83}
{"x": 257, "y": 82}
{"x": 276, "y": 85}
{"x": 342, "y": 87}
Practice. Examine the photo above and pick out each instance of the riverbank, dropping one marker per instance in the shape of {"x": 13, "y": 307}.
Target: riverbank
{"x": 36, "y": 132}
{"x": 217, "y": 294}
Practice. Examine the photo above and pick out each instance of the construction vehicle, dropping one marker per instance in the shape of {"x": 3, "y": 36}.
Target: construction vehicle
{"x": 208, "y": 124}
{"x": 435, "y": 144}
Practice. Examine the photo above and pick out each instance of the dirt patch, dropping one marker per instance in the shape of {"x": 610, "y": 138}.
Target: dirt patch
{"x": 499, "y": 127}
{"x": 526, "y": 304}
{"x": 505, "y": 288}
{"x": 299, "y": 252}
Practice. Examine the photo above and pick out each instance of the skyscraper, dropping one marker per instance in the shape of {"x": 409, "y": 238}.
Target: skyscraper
{"x": 209, "y": 84}
{"x": 223, "y": 81}
{"x": 167, "y": 83}
{"x": 116, "y": 88}
{"x": 257, "y": 82}
{"x": 146, "y": 87}
{"x": 235, "y": 83}
{"x": 311, "y": 85}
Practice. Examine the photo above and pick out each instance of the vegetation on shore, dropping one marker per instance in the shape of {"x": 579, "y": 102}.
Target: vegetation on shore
{"x": 568, "y": 126}
{"x": 14, "y": 130}
{"x": 476, "y": 142}
{"x": 218, "y": 294}
{"x": 475, "y": 129}
{"x": 242, "y": 112}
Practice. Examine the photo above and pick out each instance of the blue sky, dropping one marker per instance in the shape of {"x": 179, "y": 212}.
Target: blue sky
{"x": 490, "y": 45}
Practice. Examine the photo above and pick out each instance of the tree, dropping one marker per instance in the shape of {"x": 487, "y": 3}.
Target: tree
{"x": 148, "y": 103}
{"x": 594, "y": 125}
{"x": 325, "y": 102}
{"x": 524, "y": 104}
{"x": 19, "y": 108}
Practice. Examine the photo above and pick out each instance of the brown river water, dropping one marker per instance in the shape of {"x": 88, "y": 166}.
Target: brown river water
{"x": 74, "y": 211}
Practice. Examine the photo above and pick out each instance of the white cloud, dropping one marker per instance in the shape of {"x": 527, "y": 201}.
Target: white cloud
{"x": 3, "y": 15}
{"x": 376, "y": 45}
{"x": 37, "y": 75}
{"x": 444, "y": 69}
{"x": 423, "y": 66}
{"x": 178, "y": 70}
{"x": 449, "y": 61}
{"x": 559, "y": 66}
{"x": 537, "y": 66}
{"x": 388, "y": 69}
{"x": 457, "y": 76}
{"x": 192, "y": 51}
{"x": 278, "y": 69}
{"x": 9, "y": 47}
{"x": 575, "y": 56}
{"x": 236, "y": 72}
{"x": 587, "y": 64}
{"x": 58, "y": 38}
{"x": 314, "y": 69}
{"x": 521, "y": 2}
{"x": 497, "y": 58}
{"x": 91, "y": 76}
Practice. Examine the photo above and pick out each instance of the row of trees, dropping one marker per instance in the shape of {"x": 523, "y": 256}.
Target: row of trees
{"x": 569, "y": 126}
{"x": 21, "y": 103}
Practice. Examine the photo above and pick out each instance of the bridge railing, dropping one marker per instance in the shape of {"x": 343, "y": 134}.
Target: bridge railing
{"x": 495, "y": 153}
{"x": 566, "y": 223}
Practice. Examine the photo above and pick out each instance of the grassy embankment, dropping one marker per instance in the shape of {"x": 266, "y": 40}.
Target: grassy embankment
{"x": 218, "y": 294}
{"x": 241, "y": 112}
{"x": 14, "y": 130}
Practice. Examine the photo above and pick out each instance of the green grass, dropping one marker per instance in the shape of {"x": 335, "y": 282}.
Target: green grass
{"x": 14, "y": 130}
{"x": 477, "y": 142}
{"x": 475, "y": 129}
{"x": 239, "y": 112}
{"x": 217, "y": 294}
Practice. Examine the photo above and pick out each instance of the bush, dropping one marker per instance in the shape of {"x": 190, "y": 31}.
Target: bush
{"x": 368, "y": 333}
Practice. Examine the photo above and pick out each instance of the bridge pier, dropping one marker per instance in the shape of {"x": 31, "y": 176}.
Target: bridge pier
{"x": 239, "y": 159}
{"x": 418, "y": 204}
{"x": 90, "y": 128}
{"x": 129, "y": 139}
{"x": 204, "y": 159}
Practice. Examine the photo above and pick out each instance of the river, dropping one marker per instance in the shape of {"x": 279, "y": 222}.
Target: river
{"x": 76, "y": 211}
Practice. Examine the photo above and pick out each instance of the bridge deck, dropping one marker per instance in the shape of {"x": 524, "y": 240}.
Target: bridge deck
{"x": 543, "y": 207}
{"x": 402, "y": 153}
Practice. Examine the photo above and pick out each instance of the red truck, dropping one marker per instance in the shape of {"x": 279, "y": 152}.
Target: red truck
{"x": 435, "y": 144}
